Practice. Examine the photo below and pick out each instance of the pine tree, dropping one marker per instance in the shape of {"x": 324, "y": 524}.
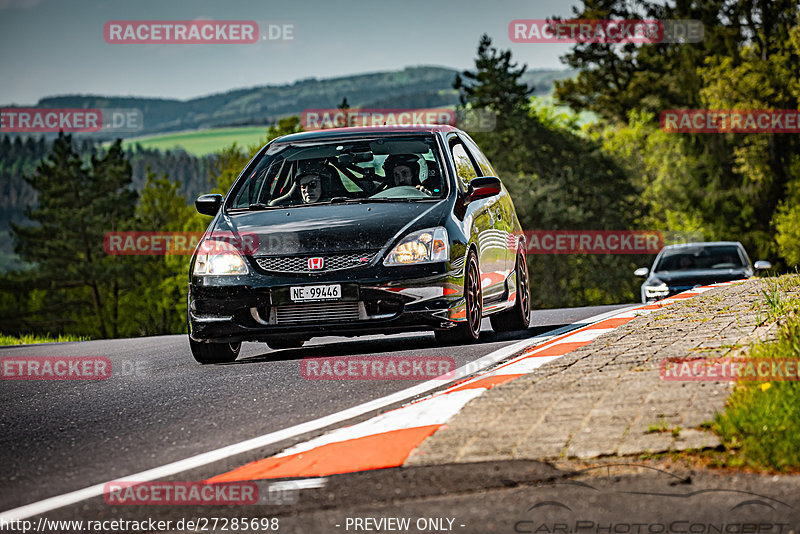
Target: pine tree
{"x": 77, "y": 204}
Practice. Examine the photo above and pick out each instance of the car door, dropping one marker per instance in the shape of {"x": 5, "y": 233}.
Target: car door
{"x": 483, "y": 215}
{"x": 501, "y": 209}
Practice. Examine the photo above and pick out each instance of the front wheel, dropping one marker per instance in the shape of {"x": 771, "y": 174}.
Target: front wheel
{"x": 518, "y": 317}
{"x": 469, "y": 330}
{"x": 207, "y": 353}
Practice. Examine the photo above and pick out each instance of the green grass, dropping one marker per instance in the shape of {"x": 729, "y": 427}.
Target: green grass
{"x": 760, "y": 426}
{"x": 202, "y": 142}
{"x": 662, "y": 426}
{"x": 777, "y": 305}
{"x": 27, "y": 339}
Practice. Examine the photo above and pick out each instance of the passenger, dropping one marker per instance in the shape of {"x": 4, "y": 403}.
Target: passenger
{"x": 686, "y": 263}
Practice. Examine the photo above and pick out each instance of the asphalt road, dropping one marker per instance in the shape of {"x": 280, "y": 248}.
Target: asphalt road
{"x": 159, "y": 406}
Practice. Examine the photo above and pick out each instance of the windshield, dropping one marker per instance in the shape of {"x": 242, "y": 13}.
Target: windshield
{"x": 373, "y": 170}
{"x": 700, "y": 258}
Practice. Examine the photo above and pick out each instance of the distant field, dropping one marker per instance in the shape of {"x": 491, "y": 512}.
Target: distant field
{"x": 202, "y": 142}
{"x": 208, "y": 141}
{"x": 584, "y": 117}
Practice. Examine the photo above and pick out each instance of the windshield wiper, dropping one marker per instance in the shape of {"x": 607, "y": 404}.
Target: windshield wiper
{"x": 259, "y": 206}
{"x": 350, "y": 200}
{"x": 395, "y": 199}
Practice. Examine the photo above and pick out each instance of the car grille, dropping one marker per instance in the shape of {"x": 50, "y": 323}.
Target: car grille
{"x": 318, "y": 312}
{"x": 299, "y": 264}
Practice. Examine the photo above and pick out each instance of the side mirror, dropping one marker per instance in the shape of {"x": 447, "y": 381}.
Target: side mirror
{"x": 485, "y": 186}
{"x": 208, "y": 204}
{"x": 762, "y": 265}
{"x": 641, "y": 271}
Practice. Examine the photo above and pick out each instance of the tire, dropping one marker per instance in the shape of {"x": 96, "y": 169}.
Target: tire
{"x": 207, "y": 353}
{"x": 518, "y": 317}
{"x": 469, "y": 330}
{"x": 279, "y": 343}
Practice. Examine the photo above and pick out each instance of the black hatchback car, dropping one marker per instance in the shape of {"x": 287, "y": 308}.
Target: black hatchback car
{"x": 353, "y": 231}
{"x": 678, "y": 268}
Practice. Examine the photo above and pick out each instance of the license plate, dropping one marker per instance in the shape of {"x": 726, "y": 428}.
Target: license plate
{"x": 306, "y": 293}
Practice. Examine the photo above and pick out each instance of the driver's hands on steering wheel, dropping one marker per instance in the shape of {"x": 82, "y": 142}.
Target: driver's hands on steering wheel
{"x": 424, "y": 190}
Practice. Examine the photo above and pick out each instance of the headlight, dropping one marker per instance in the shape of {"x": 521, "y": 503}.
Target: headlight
{"x": 425, "y": 246}
{"x": 216, "y": 257}
{"x": 656, "y": 288}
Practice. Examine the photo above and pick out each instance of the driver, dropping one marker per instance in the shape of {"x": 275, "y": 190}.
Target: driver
{"x": 311, "y": 188}
{"x": 403, "y": 170}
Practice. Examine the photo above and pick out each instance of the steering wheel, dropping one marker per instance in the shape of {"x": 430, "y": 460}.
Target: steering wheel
{"x": 401, "y": 191}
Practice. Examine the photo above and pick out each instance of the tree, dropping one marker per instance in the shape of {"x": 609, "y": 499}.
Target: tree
{"x": 496, "y": 83}
{"x": 748, "y": 59}
{"x": 76, "y": 206}
{"x": 159, "y": 305}
{"x": 496, "y": 87}
{"x": 559, "y": 179}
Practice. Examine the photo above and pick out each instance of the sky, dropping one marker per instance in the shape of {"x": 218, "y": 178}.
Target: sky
{"x": 57, "y": 47}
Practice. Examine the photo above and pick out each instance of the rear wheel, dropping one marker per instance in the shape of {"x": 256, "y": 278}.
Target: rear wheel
{"x": 518, "y": 317}
{"x": 278, "y": 343}
{"x": 469, "y": 330}
{"x": 206, "y": 353}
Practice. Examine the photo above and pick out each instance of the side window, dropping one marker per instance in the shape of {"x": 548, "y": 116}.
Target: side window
{"x": 483, "y": 162}
{"x": 464, "y": 167}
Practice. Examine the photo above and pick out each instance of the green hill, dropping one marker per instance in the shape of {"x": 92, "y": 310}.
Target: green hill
{"x": 412, "y": 87}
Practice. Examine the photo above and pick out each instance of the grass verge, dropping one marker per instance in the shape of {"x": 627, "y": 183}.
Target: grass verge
{"x": 27, "y": 339}
{"x": 759, "y": 426}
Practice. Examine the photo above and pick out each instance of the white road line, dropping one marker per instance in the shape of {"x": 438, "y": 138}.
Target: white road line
{"x": 431, "y": 411}
{"x": 199, "y": 460}
{"x": 524, "y": 366}
{"x": 303, "y": 483}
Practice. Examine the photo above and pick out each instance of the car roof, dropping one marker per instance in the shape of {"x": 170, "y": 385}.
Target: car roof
{"x": 703, "y": 244}
{"x": 365, "y": 131}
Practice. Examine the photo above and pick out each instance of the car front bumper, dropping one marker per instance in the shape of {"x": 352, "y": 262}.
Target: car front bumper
{"x": 374, "y": 300}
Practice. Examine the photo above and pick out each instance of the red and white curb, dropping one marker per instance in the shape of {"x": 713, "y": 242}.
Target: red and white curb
{"x": 388, "y": 439}
{"x": 382, "y": 441}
